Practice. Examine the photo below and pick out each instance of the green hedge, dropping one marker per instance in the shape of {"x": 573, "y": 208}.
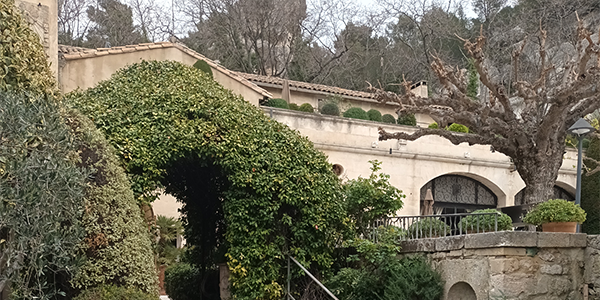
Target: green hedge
{"x": 277, "y": 102}
{"x": 293, "y": 106}
{"x": 306, "y": 107}
{"x": 458, "y": 128}
{"x": 590, "y": 190}
{"x": 182, "y": 282}
{"x": 486, "y": 223}
{"x": 117, "y": 244}
{"x": 374, "y": 115}
{"x": 204, "y": 67}
{"x": 112, "y": 292}
{"x": 433, "y": 126}
{"x": 428, "y": 227}
{"x": 330, "y": 109}
{"x": 356, "y": 113}
{"x": 407, "y": 119}
{"x": 387, "y": 118}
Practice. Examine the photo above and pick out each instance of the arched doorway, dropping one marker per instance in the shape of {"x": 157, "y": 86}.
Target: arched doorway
{"x": 559, "y": 193}
{"x": 461, "y": 291}
{"x": 458, "y": 194}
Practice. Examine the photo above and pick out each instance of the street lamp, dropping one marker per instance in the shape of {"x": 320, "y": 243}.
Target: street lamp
{"x": 580, "y": 129}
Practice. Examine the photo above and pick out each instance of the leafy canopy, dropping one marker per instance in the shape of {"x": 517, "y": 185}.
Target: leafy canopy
{"x": 279, "y": 197}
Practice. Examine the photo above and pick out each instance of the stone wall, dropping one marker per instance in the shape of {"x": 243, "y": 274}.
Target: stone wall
{"x": 514, "y": 265}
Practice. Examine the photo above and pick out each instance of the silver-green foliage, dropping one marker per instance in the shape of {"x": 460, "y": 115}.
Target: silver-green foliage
{"x": 41, "y": 196}
{"x": 117, "y": 243}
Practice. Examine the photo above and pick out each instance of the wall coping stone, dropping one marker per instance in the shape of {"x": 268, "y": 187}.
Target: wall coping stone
{"x": 500, "y": 239}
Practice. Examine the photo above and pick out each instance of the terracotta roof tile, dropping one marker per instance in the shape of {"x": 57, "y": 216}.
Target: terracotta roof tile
{"x": 258, "y": 79}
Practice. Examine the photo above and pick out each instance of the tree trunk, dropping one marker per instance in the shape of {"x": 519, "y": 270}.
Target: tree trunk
{"x": 539, "y": 170}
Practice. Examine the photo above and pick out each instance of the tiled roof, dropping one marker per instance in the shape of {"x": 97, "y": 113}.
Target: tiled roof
{"x": 258, "y": 79}
{"x": 73, "y": 53}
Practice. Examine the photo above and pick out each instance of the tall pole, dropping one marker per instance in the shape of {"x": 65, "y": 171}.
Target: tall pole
{"x": 578, "y": 187}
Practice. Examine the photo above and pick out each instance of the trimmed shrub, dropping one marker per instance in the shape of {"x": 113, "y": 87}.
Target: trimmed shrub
{"x": 293, "y": 106}
{"x": 330, "y": 109}
{"x": 428, "y": 227}
{"x": 555, "y": 210}
{"x": 204, "y": 67}
{"x": 486, "y": 223}
{"x": 433, "y": 126}
{"x": 356, "y": 113}
{"x": 41, "y": 196}
{"x": 23, "y": 65}
{"x": 374, "y": 115}
{"x": 590, "y": 190}
{"x": 112, "y": 292}
{"x": 278, "y": 102}
{"x": 407, "y": 119}
{"x": 306, "y": 107}
{"x": 387, "y": 118}
{"x": 458, "y": 128}
{"x": 117, "y": 244}
{"x": 181, "y": 282}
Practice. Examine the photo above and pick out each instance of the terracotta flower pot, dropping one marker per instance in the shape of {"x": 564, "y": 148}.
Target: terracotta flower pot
{"x": 570, "y": 227}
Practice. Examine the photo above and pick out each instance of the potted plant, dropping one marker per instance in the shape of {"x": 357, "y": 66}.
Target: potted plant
{"x": 484, "y": 220}
{"x": 428, "y": 227}
{"x": 556, "y": 215}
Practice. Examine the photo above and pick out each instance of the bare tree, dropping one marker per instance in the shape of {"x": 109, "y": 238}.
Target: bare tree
{"x": 527, "y": 123}
{"x": 72, "y": 21}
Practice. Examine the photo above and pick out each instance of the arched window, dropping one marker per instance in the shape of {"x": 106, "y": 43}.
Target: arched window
{"x": 458, "y": 194}
{"x": 559, "y": 193}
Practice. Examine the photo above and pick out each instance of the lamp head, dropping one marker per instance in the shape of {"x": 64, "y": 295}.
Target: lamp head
{"x": 581, "y": 127}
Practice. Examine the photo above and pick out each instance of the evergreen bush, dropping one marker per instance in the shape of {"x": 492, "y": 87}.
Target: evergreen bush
{"x": 330, "y": 109}
{"x": 41, "y": 196}
{"x": 555, "y": 210}
{"x": 356, "y": 113}
{"x": 293, "y": 106}
{"x": 204, "y": 67}
{"x": 117, "y": 243}
{"x": 181, "y": 282}
{"x": 458, "y": 128}
{"x": 486, "y": 223}
{"x": 306, "y": 107}
{"x": 433, "y": 126}
{"x": 428, "y": 227}
{"x": 590, "y": 190}
{"x": 387, "y": 118}
{"x": 374, "y": 115}
{"x": 278, "y": 102}
{"x": 112, "y": 292}
{"x": 407, "y": 119}
{"x": 23, "y": 66}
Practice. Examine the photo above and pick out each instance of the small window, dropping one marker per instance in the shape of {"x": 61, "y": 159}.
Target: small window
{"x": 338, "y": 170}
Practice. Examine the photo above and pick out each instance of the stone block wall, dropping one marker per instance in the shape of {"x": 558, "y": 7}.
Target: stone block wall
{"x": 513, "y": 265}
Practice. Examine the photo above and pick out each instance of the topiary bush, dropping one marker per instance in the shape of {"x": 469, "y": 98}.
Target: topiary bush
{"x": 306, "y": 107}
{"x": 41, "y": 197}
{"x": 204, "y": 67}
{"x": 428, "y": 227}
{"x": 590, "y": 187}
{"x": 433, "y": 126}
{"x": 486, "y": 223}
{"x": 374, "y": 115}
{"x": 555, "y": 210}
{"x": 23, "y": 65}
{"x": 458, "y": 128}
{"x": 277, "y": 102}
{"x": 330, "y": 109}
{"x": 117, "y": 243}
{"x": 181, "y": 282}
{"x": 174, "y": 128}
{"x": 293, "y": 106}
{"x": 356, "y": 113}
{"x": 387, "y": 118}
{"x": 407, "y": 119}
{"x": 112, "y": 292}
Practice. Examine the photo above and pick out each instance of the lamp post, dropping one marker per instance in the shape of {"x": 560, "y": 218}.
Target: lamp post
{"x": 580, "y": 129}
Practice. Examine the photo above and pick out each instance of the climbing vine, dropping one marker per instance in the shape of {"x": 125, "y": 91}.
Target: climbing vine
{"x": 278, "y": 196}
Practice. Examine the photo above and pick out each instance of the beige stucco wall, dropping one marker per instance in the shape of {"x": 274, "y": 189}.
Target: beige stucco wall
{"x": 42, "y": 16}
{"x": 352, "y": 143}
{"x": 87, "y": 72}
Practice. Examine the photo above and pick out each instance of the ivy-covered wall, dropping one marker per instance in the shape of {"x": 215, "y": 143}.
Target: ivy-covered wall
{"x": 281, "y": 196}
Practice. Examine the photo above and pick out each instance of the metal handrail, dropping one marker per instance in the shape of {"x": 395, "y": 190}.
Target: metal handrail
{"x": 289, "y": 294}
{"x": 417, "y": 227}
